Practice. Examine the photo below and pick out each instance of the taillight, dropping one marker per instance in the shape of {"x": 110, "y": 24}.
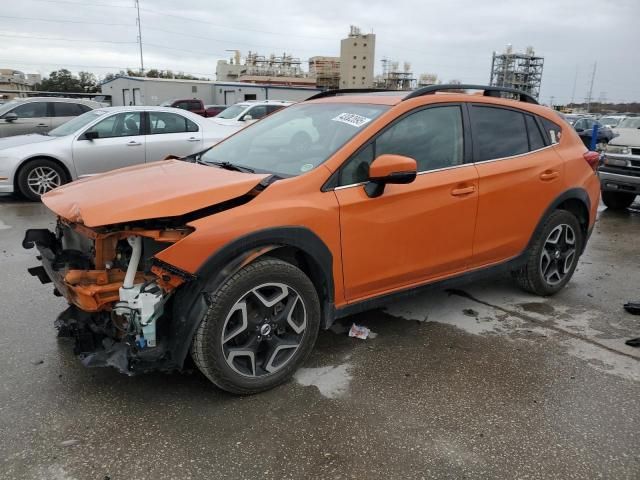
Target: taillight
{"x": 592, "y": 158}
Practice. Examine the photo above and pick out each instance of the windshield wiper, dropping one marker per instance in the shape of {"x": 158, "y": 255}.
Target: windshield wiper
{"x": 232, "y": 166}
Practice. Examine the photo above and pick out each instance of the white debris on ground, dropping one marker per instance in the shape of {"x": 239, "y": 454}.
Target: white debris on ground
{"x": 358, "y": 331}
{"x": 332, "y": 382}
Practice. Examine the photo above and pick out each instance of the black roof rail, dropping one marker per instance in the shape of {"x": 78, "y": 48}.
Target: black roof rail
{"x": 345, "y": 91}
{"x": 489, "y": 91}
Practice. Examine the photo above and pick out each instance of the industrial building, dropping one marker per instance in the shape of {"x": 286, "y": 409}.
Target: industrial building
{"x": 357, "y": 55}
{"x": 394, "y": 78}
{"x": 125, "y": 90}
{"x": 326, "y": 71}
{"x": 14, "y": 83}
{"x": 273, "y": 69}
{"x": 522, "y": 71}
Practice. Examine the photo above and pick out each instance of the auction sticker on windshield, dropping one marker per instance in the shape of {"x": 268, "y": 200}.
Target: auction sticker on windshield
{"x": 352, "y": 119}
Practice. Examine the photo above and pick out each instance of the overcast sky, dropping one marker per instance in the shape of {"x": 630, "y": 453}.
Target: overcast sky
{"x": 453, "y": 38}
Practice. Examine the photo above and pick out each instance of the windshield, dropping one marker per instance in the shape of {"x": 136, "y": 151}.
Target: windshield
{"x": 8, "y": 106}
{"x": 609, "y": 121}
{"x": 231, "y": 112}
{"x": 75, "y": 124}
{"x": 295, "y": 139}
{"x": 633, "y": 122}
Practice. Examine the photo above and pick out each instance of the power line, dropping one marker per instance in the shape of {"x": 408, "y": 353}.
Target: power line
{"x": 85, "y": 4}
{"x": 164, "y": 14}
{"x": 50, "y": 20}
{"x": 110, "y": 67}
{"x": 33, "y": 37}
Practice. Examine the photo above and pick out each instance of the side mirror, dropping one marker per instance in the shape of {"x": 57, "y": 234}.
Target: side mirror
{"x": 91, "y": 135}
{"x": 389, "y": 169}
{"x": 247, "y": 118}
{"x": 10, "y": 117}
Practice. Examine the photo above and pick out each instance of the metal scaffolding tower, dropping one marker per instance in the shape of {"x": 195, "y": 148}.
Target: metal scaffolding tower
{"x": 522, "y": 71}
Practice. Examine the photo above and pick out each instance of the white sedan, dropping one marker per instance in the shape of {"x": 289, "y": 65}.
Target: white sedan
{"x": 98, "y": 141}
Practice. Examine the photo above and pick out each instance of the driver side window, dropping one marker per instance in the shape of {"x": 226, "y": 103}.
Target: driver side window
{"x": 257, "y": 112}
{"x": 431, "y": 136}
{"x": 120, "y": 125}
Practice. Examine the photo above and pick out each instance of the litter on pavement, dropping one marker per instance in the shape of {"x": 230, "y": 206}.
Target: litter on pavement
{"x": 359, "y": 331}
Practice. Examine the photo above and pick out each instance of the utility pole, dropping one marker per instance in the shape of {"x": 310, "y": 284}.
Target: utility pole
{"x": 140, "y": 37}
{"x": 593, "y": 76}
{"x": 575, "y": 81}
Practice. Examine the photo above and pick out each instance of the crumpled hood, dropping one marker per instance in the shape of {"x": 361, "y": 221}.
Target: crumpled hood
{"x": 627, "y": 137}
{"x": 161, "y": 189}
{"x": 19, "y": 140}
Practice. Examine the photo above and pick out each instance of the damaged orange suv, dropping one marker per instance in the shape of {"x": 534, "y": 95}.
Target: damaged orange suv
{"x": 239, "y": 254}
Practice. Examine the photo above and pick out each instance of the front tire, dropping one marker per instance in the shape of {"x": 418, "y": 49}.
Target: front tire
{"x": 39, "y": 177}
{"x": 553, "y": 256}
{"x": 260, "y": 326}
{"x": 618, "y": 200}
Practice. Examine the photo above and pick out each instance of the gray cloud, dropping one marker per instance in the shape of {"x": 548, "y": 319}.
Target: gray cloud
{"x": 453, "y": 39}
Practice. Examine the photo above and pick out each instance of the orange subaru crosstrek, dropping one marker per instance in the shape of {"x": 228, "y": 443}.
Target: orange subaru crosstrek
{"x": 241, "y": 253}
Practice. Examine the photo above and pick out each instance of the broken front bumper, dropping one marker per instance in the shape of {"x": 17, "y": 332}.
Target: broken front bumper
{"x": 84, "y": 268}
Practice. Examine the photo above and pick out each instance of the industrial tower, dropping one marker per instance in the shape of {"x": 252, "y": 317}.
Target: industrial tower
{"x": 522, "y": 71}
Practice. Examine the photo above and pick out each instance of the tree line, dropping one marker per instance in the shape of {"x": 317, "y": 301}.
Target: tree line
{"x": 86, "y": 82}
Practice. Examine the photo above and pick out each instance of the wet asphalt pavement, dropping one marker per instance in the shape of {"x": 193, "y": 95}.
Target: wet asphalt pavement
{"x": 485, "y": 382}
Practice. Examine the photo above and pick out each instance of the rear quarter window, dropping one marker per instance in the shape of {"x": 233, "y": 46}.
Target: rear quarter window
{"x": 552, "y": 130}
{"x": 536, "y": 140}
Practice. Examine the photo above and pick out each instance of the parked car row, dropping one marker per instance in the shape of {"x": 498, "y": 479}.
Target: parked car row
{"x": 620, "y": 169}
{"x": 40, "y": 114}
{"x": 98, "y": 141}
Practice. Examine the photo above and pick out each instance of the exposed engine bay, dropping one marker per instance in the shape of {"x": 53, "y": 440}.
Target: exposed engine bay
{"x": 118, "y": 292}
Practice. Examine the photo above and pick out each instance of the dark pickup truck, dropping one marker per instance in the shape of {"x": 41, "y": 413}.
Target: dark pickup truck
{"x": 192, "y": 104}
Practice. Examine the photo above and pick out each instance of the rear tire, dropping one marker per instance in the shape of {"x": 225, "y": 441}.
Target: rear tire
{"x": 38, "y": 177}
{"x": 618, "y": 200}
{"x": 553, "y": 256}
{"x": 260, "y": 326}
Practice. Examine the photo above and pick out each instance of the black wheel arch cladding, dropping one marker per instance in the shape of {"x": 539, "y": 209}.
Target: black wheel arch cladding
{"x": 190, "y": 301}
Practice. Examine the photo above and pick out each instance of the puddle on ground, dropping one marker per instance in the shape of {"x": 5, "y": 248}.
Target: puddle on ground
{"x": 538, "y": 307}
{"x": 332, "y": 382}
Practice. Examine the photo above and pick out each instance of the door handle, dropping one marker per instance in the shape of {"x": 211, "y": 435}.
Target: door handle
{"x": 133, "y": 143}
{"x": 460, "y": 192}
{"x": 549, "y": 175}
{"x": 42, "y": 125}
{"x": 193, "y": 139}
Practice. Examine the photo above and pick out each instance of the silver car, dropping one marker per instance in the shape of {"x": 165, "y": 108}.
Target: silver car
{"x": 40, "y": 114}
{"x": 98, "y": 141}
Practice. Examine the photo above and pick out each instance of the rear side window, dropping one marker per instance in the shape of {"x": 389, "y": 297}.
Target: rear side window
{"x": 552, "y": 130}
{"x": 535, "y": 136}
{"x": 165, "y": 122}
{"x": 498, "y": 133}
{"x": 273, "y": 108}
{"x": 63, "y": 109}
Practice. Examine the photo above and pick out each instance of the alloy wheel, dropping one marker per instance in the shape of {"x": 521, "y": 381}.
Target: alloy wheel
{"x": 264, "y": 329}
{"x": 558, "y": 254}
{"x": 42, "y": 179}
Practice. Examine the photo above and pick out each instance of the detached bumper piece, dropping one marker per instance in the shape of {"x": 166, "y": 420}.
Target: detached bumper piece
{"x": 96, "y": 346}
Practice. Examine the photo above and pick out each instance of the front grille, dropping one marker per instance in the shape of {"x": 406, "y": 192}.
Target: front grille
{"x": 630, "y": 172}
{"x": 635, "y": 151}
